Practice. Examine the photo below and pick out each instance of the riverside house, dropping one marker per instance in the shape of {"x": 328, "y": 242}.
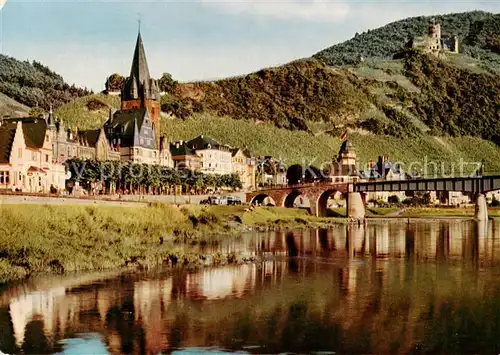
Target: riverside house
{"x": 26, "y": 158}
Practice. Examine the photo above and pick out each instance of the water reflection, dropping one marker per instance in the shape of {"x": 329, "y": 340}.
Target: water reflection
{"x": 427, "y": 286}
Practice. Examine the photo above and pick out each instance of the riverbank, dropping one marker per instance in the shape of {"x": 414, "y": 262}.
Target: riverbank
{"x": 44, "y": 238}
{"x": 58, "y": 239}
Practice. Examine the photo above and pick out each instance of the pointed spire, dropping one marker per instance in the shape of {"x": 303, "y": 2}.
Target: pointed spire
{"x": 139, "y": 64}
{"x": 139, "y": 73}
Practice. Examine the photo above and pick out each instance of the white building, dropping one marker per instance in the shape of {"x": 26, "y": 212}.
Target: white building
{"x": 26, "y": 158}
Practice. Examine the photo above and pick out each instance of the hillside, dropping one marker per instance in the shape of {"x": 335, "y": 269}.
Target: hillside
{"x": 444, "y": 108}
{"x": 478, "y": 33}
{"x": 10, "y": 107}
{"x": 35, "y": 85}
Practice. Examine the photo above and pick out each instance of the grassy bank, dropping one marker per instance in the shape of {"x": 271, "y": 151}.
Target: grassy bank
{"x": 38, "y": 238}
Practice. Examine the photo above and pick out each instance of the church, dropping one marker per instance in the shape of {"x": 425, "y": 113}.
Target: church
{"x": 134, "y": 130}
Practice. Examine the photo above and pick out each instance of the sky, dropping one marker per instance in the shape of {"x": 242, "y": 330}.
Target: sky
{"x": 87, "y": 40}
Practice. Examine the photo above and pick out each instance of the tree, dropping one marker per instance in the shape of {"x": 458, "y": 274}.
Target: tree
{"x": 115, "y": 82}
{"x": 167, "y": 83}
{"x": 393, "y": 199}
{"x": 294, "y": 174}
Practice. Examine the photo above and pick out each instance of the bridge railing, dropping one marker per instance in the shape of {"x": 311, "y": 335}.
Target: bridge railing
{"x": 297, "y": 186}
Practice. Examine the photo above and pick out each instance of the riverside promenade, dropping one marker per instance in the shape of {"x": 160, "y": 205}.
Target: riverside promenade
{"x": 105, "y": 200}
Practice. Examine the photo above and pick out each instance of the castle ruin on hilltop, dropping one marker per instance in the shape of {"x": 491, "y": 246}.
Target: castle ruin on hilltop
{"x": 434, "y": 43}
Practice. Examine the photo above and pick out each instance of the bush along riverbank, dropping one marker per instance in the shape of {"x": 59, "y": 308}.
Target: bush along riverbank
{"x": 38, "y": 238}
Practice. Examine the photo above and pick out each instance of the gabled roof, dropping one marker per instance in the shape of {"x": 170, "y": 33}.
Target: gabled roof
{"x": 245, "y": 152}
{"x": 34, "y": 133}
{"x": 89, "y": 137}
{"x": 202, "y": 142}
{"x": 34, "y": 130}
{"x": 7, "y": 133}
{"x": 181, "y": 150}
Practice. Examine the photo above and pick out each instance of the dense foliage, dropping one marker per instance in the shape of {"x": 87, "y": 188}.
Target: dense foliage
{"x": 290, "y": 96}
{"x": 477, "y": 32}
{"x": 115, "y": 82}
{"x": 35, "y": 85}
{"x": 123, "y": 177}
{"x": 455, "y": 101}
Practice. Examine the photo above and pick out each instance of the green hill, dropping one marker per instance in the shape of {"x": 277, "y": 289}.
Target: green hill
{"x": 418, "y": 106}
{"x": 478, "y": 34}
{"x": 10, "y": 107}
{"x": 35, "y": 85}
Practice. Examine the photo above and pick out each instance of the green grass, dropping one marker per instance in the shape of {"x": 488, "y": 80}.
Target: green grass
{"x": 77, "y": 114}
{"x": 38, "y": 238}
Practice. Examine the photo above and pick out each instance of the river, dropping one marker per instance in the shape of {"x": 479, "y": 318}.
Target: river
{"x": 428, "y": 286}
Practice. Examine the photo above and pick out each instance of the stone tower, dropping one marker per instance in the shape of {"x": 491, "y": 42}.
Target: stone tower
{"x": 434, "y": 35}
{"x": 140, "y": 90}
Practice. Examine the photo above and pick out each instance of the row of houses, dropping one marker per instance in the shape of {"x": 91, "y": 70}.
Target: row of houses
{"x": 33, "y": 150}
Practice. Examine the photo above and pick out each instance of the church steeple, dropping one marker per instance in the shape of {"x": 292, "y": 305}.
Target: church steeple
{"x": 140, "y": 90}
{"x": 139, "y": 84}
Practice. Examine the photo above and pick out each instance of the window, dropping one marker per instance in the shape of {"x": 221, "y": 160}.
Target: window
{"x": 20, "y": 153}
{"x": 141, "y": 141}
{"x": 4, "y": 177}
{"x": 46, "y": 158}
{"x": 69, "y": 152}
{"x": 34, "y": 156}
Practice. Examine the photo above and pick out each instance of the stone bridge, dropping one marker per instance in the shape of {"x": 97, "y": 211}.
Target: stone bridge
{"x": 355, "y": 193}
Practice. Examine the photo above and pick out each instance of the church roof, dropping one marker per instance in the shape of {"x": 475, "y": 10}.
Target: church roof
{"x": 139, "y": 82}
{"x": 140, "y": 68}
{"x": 128, "y": 126}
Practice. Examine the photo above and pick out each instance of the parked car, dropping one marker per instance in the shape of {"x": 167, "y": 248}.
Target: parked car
{"x": 211, "y": 200}
{"x": 233, "y": 200}
{"x": 221, "y": 200}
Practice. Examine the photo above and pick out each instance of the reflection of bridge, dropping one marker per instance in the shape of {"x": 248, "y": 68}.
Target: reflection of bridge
{"x": 146, "y": 314}
{"x": 319, "y": 193}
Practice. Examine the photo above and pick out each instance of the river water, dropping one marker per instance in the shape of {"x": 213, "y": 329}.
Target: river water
{"x": 389, "y": 287}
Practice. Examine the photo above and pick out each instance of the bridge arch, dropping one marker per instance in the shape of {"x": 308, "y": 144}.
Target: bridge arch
{"x": 322, "y": 201}
{"x": 290, "y": 200}
{"x": 262, "y": 199}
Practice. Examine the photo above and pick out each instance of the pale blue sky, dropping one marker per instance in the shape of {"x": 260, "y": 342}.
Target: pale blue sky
{"x": 197, "y": 39}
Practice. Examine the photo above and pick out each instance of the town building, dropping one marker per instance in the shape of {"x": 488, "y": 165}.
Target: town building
{"x": 270, "y": 171}
{"x": 26, "y": 157}
{"x": 243, "y": 164}
{"x": 132, "y": 133}
{"x": 384, "y": 169}
{"x": 344, "y": 167}
{"x": 208, "y": 156}
{"x": 216, "y": 158}
{"x": 70, "y": 143}
{"x": 185, "y": 157}
{"x": 93, "y": 145}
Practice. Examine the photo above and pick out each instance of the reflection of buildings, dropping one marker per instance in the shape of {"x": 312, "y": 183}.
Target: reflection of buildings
{"x": 349, "y": 272}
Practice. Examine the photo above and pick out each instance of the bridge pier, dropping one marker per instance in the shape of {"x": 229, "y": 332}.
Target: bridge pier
{"x": 481, "y": 210}
{"x": 355, "y": 206}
